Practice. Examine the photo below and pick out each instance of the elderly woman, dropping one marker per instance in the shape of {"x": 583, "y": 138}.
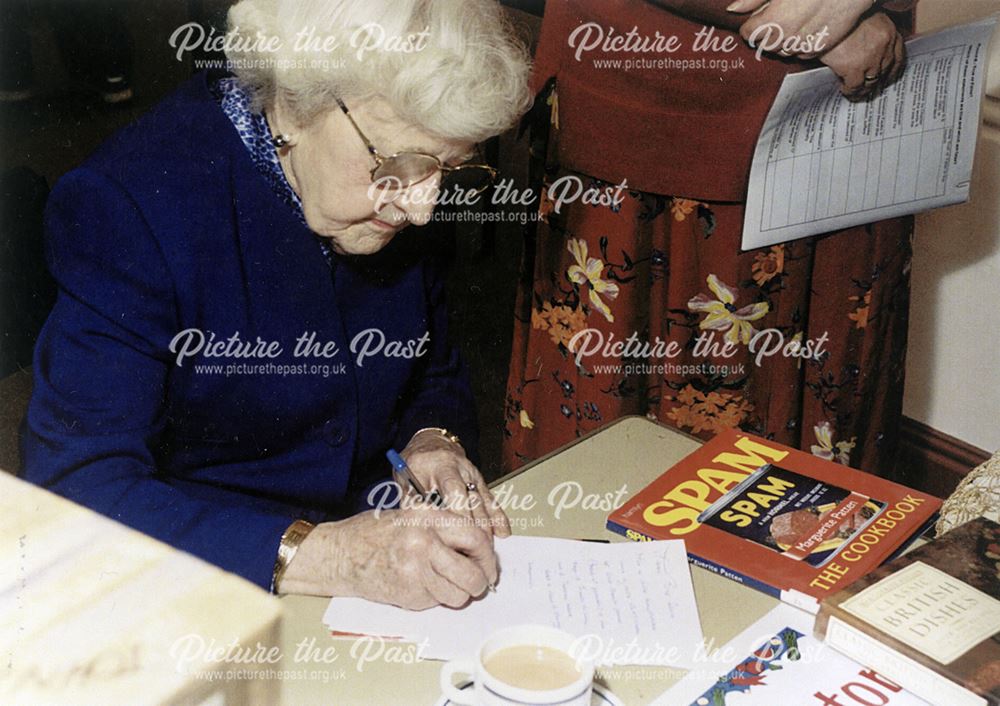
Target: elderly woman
{"x": 240, "y": 336}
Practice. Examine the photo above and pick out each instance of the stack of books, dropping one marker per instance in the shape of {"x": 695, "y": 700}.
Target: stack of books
{"x": 930, "y": 620}
{"x": 827, "y": 539}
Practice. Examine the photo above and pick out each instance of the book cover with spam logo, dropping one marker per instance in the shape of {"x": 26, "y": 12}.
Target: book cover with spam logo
{"x": 780, "y": 520}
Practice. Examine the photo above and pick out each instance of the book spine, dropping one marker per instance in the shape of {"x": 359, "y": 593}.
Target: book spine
{"x": 628, "y": 532}
{"x": 903, "y": 670}
{"x": 736, "y": 576}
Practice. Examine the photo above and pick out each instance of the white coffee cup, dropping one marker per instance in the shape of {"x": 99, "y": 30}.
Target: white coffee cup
{"x": 547, "y": 653}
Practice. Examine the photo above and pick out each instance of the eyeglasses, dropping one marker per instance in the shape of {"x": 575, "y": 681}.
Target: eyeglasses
{"x": 404, "y": 169}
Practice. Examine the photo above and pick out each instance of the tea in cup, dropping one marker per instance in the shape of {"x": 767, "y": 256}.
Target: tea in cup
{"x": 525, "y": 664}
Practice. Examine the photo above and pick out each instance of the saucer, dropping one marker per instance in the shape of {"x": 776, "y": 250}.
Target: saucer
{"x": 602, "y": 696}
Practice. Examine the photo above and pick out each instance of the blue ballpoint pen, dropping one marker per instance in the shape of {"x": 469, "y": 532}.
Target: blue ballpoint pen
{"x": 402, "y": 469}
{"x": 435, "y": 498}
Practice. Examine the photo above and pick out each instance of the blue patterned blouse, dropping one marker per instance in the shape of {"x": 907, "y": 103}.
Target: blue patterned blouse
{"x": 256, "y": 135}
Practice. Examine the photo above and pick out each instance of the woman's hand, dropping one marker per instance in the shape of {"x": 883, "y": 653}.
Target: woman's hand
{"x": 826, "y": 22}
{"x": 871, "y": 58}
{"x": 414, "y": 559}
{"x": 440, "y": 464}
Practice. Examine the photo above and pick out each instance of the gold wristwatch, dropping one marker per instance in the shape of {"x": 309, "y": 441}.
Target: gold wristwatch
{"x": 287, "y": 548}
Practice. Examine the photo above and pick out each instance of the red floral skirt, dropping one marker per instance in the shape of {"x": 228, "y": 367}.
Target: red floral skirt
{"x": 647, "y": 306}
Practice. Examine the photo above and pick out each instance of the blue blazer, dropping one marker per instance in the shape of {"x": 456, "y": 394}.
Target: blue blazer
{"x": 168, "y": 228}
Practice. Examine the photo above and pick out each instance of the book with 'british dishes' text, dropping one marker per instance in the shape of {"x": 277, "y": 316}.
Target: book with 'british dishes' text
{"x": 929, "y": 620}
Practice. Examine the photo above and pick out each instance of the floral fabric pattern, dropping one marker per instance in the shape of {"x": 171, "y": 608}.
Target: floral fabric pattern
{"x": 724, "y": 316}
{"x": 588, "y": 270}
{"x": 649, "y": 307}
{"x": 767, "y": 266}
{"x": 714, "y": 412}
{"x": 826, "y": 449}
{"x": 561, "y": 322}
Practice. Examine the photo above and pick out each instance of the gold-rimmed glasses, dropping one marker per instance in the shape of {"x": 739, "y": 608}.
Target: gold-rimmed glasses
{"x": 402, "y": 170}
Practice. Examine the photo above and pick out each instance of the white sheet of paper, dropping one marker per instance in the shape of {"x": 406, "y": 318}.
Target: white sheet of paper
{"x": 818, "y": 670}
{"x": 630, "y": 603}
{"x": 823, "y": 163}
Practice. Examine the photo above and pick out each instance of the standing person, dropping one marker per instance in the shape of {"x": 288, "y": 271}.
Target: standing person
{"x": 660, "y": 259}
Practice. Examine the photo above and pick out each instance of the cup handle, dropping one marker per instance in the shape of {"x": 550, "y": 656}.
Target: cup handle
{"x": 448, "y": 688}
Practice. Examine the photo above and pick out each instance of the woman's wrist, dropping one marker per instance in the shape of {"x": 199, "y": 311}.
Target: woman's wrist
{"x": 312, "y": 570}
{"x": 436, "y": 436}
{"x": 288, "y": 547}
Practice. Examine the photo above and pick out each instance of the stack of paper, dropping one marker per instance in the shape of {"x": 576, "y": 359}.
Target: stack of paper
{"x": 628, "y": 603}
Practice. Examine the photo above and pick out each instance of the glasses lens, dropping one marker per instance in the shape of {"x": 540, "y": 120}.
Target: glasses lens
{"x": 408, "y": 168}
{"x": 468, "y": 178}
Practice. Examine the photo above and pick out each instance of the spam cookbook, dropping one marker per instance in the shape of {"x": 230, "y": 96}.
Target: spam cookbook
{"x": 780, "y": 520}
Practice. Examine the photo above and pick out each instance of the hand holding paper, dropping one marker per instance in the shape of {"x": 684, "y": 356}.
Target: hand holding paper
{"x": 823, "y": 164}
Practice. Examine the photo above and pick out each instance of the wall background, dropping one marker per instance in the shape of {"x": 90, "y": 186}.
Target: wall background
{"x": 953, "y": 363}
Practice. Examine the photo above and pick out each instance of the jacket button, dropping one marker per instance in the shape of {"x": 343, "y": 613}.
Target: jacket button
{"x": 334, "y": 433}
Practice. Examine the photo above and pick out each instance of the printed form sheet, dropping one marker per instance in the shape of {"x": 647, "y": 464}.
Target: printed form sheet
{"x": 823, "y": 163}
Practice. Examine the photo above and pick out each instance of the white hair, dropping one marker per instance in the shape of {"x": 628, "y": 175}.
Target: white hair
{"x": 465, "y": 78}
